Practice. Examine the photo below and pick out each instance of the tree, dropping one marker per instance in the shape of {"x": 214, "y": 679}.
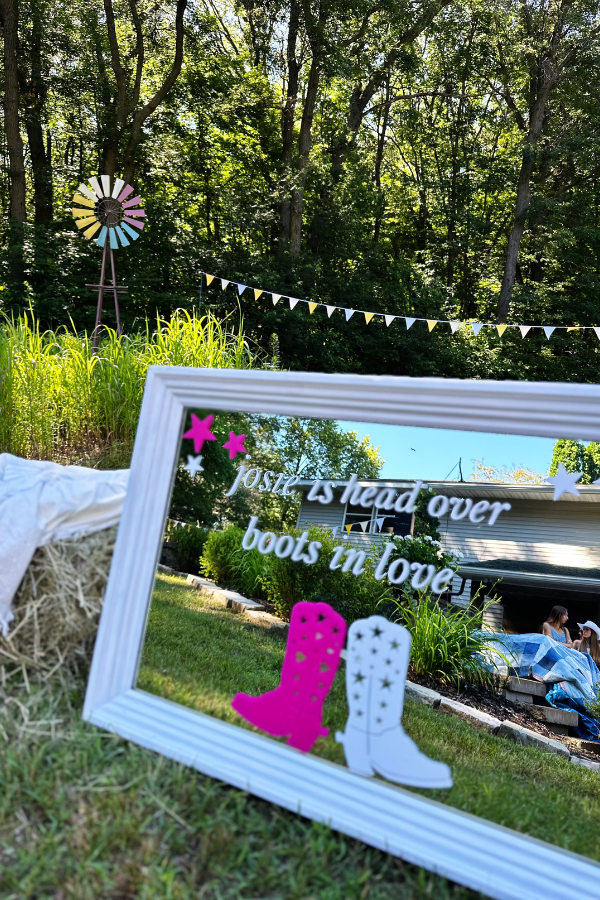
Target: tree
{"x": 127, "y": 112}
{"x": 9, "y": 20}
{"x": 577, "y": 457}
{"x": 309, "y": 448}
{"x": 552, "y": 37}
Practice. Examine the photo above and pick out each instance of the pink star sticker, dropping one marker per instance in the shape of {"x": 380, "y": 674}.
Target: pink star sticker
{"x": 235, "y": 444}
{"x": 200, "y": 431}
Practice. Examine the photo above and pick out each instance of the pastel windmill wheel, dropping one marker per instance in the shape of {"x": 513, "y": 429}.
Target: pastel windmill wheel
{"x": 100, "y": 209}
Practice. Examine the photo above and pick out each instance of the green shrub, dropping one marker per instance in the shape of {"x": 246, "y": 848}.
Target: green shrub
{"x": 447, "y": 644}
{"x": 218, "y": 555}
{"x": 188, "y": 543}
{"x": 287, "y": 582}
{"x": 593, "y": 706}
{"x": 247, "y": 573}
{"x": 424, "y": 549}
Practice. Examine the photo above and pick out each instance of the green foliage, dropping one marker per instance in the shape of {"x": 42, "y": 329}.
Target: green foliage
{"x": 424, "y": 523}
{"x": 577, "y": 457}
{"x": 188, "y": 542}
{"x": 59, "y": 399}
{"x": 424, "y": 549}
{"x": 311, "y": 448}
{"x": 447, "y": 644}
{"x": 287, "y": 582}
{"x": 219, "y": 554}
{"x": 593, "y": 706}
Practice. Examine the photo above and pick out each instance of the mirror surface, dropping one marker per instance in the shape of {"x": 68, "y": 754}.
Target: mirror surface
{"x": 440, "y": 534}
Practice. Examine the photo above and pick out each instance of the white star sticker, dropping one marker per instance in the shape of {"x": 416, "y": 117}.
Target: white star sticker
{"x": 194, "y": 465}
{"x": 564, "y": 482}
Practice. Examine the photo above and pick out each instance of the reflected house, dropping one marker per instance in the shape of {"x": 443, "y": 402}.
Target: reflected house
{"x": 537, "y": 554}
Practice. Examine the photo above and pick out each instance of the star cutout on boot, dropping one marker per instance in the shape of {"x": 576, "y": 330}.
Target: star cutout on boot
{"x": 200, "y": 431}
{"x": 383, "y": 705}
{"x": 395, "y": 645}
{"x": 235, "y": 444}
{"x": 385, "y": 683}
{"x": 359, "y": 677}
{"x": 377, "y": 632}
{"x": 564, "y": 482}
{"x": 358, "y": 636}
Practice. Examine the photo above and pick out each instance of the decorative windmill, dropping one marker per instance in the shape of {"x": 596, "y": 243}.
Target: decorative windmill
{"x": 109, "y": 212}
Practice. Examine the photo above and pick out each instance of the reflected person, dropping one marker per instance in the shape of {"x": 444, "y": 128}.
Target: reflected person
{"x": 554, "y": 626}
{"x": 590, "y": 640}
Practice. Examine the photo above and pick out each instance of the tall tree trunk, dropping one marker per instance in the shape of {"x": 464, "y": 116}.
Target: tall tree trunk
{"x": 9, "y": 13}
{"x": 16, "y": 172}
{"x": 41, "y": 166}
{"x": 287, "y": 126}
{"x": 304, "y": 145}
{"x": 536, "y": 121}
{"x": 378, "y": 161}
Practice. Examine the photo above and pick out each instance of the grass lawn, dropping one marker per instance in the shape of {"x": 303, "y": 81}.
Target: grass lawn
{"x": 200, "y": 655}
{"x": 86, "y": 815}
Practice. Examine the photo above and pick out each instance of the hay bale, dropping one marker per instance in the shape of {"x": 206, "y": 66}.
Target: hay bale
{"x": 58, "y": 604}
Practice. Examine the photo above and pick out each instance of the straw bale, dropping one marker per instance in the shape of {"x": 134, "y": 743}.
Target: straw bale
{"x": 58, "y": 604}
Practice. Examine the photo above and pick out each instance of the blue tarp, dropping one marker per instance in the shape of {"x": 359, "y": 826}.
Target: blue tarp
{"x": 571, "y": 676}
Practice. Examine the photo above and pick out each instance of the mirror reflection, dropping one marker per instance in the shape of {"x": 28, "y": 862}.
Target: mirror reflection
{"x": 315, "y": 574}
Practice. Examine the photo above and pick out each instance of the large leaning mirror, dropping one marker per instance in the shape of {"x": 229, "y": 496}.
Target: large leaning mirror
{"x": 414, "y": 606}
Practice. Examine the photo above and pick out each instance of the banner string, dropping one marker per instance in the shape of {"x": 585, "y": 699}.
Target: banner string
{"x": 389, "y": 317}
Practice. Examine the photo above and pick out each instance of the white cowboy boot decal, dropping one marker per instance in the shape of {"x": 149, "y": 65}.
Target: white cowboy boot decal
{"x": 374, "y": 740}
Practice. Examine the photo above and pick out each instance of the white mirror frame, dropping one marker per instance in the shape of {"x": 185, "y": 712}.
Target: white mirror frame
{"x": 474, "y": 852}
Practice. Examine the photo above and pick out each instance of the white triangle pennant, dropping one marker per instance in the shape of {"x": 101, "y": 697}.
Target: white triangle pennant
{"x": 276, "y": 298}
{"x": 454, "y": 326}
{"x": 380, "y": 522}
{"x": 334, "y": 530}
{"x": 241, "y": 288}
{"x": 409, "y": 321}
{"x": 363, "y": 525}
{"x": 293, "y": 301}
{"x": 224, "y": 283}
{"x": 524, "y": 329}
{"x": 548, "y": 329}
{"x": 389, "y": 320}
{"x": 330, "y": 310}
{"x": 476, "y": 326}
{"x": 597, "y": 330}
{"x": 349, "y": 314}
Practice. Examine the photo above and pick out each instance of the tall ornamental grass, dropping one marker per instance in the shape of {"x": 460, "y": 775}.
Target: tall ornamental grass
{"x": 58, "y": 399}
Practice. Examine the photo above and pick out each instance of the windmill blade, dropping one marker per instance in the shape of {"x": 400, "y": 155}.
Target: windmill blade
{"x": 122, "y": 238}
{"x": 105, "y": 179}
{"x": 96, "y": 186}
{"x": 125, "y": 193}
{"x": 92, "y": 231}
{"x": 83, "y": 223}
{"x": 135, "y": 212}
{"x": 118, "y": 185}
{"x": 84, "y": 189}
{"x": 102, "y": 236}
{"x": 137, "y": 201}
{"x": 137, "y": 224}
{"x": 132, "y": 234}
{"x": 83, "y": 201}
{"x": 113, "y": 239}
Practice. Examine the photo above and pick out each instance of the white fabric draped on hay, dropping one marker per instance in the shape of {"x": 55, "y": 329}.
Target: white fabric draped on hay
{"x": 42, "y": 502}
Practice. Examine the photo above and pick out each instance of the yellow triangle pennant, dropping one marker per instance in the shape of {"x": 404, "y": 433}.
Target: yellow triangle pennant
{"x": 368, "y": 317}
{"x": 312, "y": 307}
{"x": 209, "y": 279}
{"x": 573, "y": 328}
{"x": 348, "y": 528}
{"x": 431, "y": 323}
{"x": 501, "y": 329}
{"x": 257, "y": 293}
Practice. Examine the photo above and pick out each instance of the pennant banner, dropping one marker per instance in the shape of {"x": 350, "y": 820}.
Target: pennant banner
{"x": 409, "y": 320}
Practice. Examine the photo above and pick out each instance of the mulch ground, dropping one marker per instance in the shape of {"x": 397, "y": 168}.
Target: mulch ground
{"x": 487, "y": 700}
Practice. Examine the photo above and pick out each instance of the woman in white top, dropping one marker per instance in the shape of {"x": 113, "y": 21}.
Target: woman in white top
{"x": 590, "y": 640}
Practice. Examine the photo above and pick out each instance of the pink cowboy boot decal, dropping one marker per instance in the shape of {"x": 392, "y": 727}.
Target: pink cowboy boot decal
{"x": 312, "y": 656}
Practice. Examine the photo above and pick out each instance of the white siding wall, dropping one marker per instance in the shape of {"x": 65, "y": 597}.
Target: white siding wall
{"x": 566, "y": 534}
{"x": 315, "y": 513}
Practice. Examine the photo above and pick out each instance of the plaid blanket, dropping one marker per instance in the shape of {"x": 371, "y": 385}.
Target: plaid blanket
{"x": 545, "y": 659}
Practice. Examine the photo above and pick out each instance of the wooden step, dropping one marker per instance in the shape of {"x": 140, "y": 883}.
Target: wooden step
{"x": 566, "y": 717}
{"x": 527, "y": 686}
